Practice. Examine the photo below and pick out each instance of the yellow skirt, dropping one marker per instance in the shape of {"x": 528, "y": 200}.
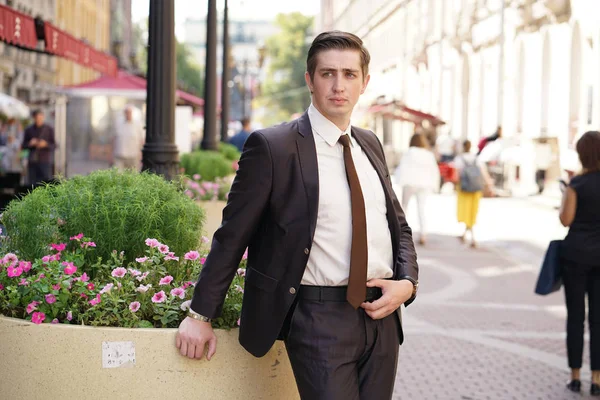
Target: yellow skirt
{"x": 467, "y": 207}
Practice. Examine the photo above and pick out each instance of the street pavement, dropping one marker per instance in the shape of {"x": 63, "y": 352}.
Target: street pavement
{"x": 477, "y": 330}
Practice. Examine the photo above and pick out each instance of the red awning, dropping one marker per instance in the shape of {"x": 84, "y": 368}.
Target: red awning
{"x": 398, "y": 110}
{"x": 17, "y": 28}
{"x": 61, "y": 43}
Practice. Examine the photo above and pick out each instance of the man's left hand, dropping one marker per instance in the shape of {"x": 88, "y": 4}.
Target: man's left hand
{"x": 395, "y": 293}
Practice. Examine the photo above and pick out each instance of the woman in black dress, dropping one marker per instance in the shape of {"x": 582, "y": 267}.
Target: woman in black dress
{"x": 580, "y": 253}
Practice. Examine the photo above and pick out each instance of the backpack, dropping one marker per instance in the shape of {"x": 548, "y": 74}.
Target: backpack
{"x": 471, "y": 179}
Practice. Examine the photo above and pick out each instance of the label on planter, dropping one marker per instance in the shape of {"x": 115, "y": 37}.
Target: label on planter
{"x": 118, "y": 354}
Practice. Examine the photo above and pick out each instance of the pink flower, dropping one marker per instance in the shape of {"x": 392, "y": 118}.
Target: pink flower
{"x": 188, "y": 284}
{"x": 241, "y": 272}
{"x": 134, "y": 306}
{"x": 95, "y": 301}
{"x": 10, "y": 259}
{"x": 26, "y": 265}
{"x": 84, "y": 277}
{"x": 143, "y": 288}
{"x": 88, "y": 244}
{"x": 23, "y": 282}
{"x": 118, "y": 272}
{"x": 152, "y": 243}
{"x": 239, "y": 288}
{"x": 14, "y": 272}
{"x": 141, "y": 259}
{"x": 38, "y": 317}
{"x": 107, "y": 288}
{"x": 31, "y": 307}
{"x": 238, "y": 321}
{"x": 77, "y": 237}
{"x": 163, "y": 248}
{"x": 159, "y": 297}
{"x": 166, "y": 280}
{"x": 202, "y": 260}
{"x": 55, "y": 257}
{"x": 1, "y": 287}
{"x": 56, "y": 287}
{"x": 143, "y": 276}
{"x": 69, "y": 316}
{"x": 134, "y": 272}
{"x": 171, "y": 256}
{"x": 235, "y": 165}
{"x": 42, "y": 276}
{"x": 70, "y": 268}
{"x": 245, "y": 256}
{"x": 46, "y": 259}
{"x": 196, "y": 177}
{"x": 90, "y": 286}
{"x": 205, "y": 239}
{"x": 83, "y": 295}
{"x": 59, "y": 247}
{"x": 54, "y": 321}
{"x": 50, "y": 298}
{"x": 178, "y": 292}
{"x": 191, "y": 255}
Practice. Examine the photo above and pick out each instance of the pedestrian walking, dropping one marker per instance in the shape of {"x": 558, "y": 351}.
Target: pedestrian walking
{"x": 128, "y": 142}
{"x": 473, "y": 178}
{"x": 39, "y": 140}
{"x": 331, "y": 257}
{"x": 580, "y": 255}
{"x": 418, "y": 175}
{"x": 240, "y": 138}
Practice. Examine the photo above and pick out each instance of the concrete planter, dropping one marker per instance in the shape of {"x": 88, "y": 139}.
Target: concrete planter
{"x": 70, "y": 362}
{"x": 214, "y": 215}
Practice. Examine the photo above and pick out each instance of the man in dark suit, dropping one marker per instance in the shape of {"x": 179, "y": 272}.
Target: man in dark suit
{"x": 330, "y": 256}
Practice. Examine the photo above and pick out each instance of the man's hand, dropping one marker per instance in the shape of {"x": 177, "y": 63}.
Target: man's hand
{"x": 42, "y": 144}
{"x": 193, "y": 335}
{"x": 395, "y": 293}
{"x": 33, "y": 142}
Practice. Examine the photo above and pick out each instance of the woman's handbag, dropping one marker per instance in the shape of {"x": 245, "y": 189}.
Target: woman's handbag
{"x": 550, "y": 279}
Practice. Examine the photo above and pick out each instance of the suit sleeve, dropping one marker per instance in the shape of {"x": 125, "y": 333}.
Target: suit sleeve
{"x": 246, "y": 203}
{"x": 407, "y": 257}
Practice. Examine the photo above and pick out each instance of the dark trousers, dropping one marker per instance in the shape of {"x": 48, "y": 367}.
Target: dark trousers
{"x": 540, "y": 179}
{"x": 39, "y": 172}
{"x": 337, "y": 352}
{"x": 579, "y": 279}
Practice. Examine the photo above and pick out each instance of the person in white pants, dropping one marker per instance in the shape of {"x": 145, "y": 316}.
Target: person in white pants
{"x": 418, "y": 175}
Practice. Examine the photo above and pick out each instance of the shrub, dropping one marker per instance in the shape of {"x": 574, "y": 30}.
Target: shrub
{"x": 153, "y": 291}
{"x": 229, "y": 151}
{"x": 209, "y": 165}
{"x": 118, "y": 209}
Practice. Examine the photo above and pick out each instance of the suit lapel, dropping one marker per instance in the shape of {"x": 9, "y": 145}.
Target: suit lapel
{"x": 383, "y": 173}
{"x": 307, "y": 154}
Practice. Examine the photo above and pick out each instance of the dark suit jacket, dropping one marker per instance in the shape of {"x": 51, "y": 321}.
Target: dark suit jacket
{"x": 272, "y": 210}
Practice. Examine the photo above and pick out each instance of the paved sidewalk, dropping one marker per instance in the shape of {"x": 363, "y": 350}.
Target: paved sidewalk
{"x": 477, "y": 330}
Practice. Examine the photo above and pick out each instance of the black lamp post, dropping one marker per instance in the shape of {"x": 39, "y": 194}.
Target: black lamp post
{"x": 209, "y": 141}
{"x": 225, "y": 76}
{"x": 160, "y": 154}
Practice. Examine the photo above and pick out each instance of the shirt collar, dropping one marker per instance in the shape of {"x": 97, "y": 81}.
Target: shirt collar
{"x": 325, "y": 128}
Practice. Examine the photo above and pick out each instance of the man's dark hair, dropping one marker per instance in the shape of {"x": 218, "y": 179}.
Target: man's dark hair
{"x": 467, "y": 146}
{"x": 36, "y": 113}
{"x": 336, "y": 40}
{"x": 418, "y": 140}
{"x": 245, "y": 121}
{"x": 588, "y": 148}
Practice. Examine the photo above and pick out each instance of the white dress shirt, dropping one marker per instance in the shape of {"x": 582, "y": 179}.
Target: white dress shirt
{"x": 329, "y": 261}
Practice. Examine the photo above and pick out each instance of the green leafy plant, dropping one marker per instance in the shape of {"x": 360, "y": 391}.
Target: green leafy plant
{"x": 118, "y": 209}
{"x": 208, "y": 165}
{"x": 153, "y": 291}
{"x": 229, "y": 151}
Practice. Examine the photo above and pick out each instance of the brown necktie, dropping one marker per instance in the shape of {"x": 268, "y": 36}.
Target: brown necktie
{"x": 357, "y": 281}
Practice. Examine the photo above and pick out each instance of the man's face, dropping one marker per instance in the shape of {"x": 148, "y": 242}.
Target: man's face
{"x": 39, "y": 119}
{"x": 128, "y": 114}
{"x": 337, "y": 84}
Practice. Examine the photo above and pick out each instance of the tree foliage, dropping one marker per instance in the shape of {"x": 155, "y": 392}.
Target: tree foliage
{"x": 284, "y": 92}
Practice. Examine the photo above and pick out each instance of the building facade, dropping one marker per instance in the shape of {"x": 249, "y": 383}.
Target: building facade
{"x": 24, "y": 74}
{"x": 87, "y": 20}
{"x": 530, "y": 66}
{"x": 121, "y": 33}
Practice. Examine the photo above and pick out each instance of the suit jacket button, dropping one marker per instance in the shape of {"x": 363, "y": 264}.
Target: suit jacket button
{"x": 292, "y": 290}
{"x": 306, "y": 251}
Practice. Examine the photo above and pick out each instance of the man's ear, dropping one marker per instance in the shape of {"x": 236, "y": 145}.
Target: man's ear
{"x": 365, "y": 83}
{"x": 308, "y": 82}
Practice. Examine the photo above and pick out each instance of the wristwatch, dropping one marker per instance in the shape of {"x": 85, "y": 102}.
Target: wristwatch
{"x": 414, "y": 282}
{"x": 198, "y": 317}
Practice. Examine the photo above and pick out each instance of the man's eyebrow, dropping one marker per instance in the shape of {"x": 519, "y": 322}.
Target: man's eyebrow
{"x": 327, "y": 69}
